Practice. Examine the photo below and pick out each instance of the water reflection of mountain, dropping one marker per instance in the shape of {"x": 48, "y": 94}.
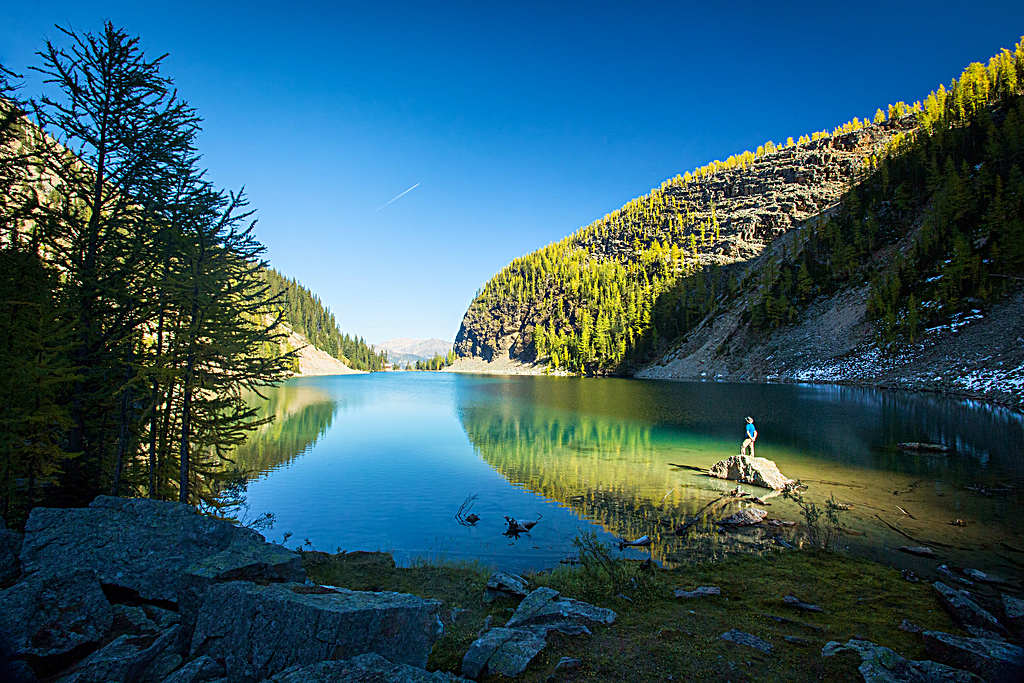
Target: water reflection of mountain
{"x": 302, "y": 415}
{"x": 603, "y": 470}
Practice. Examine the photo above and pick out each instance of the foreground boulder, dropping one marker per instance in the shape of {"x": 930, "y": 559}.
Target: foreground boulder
{"x": 46, "y": 616}
{"x": 261, "y": 630}
{"x": 149, "y": 546}
{"x": 368, "y": 668}
{"x": 882, "y": 665}
{"x": 505, "y": 585}
{"x": 508, "y": 650}
{"x": 961, "y": 605}
{"x": 127, "y": 658}
{"x": 994, "y": 660}
{"x": 750, "y": 470}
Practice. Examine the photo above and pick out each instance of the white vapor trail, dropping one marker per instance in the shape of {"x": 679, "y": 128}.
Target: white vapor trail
{"x": 397, "y": 197}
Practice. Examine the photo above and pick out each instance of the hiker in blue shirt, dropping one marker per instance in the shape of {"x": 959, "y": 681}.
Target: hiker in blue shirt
{"x": 751, "y": 437}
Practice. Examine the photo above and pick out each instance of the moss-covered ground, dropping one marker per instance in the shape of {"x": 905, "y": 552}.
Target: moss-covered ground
{"x": 659, "y": 637}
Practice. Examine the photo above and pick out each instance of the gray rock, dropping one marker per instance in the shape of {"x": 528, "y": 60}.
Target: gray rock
{"x": 545, "y": 606}
{"x": 797, "y": 603}
{"x": 750, "y": 470}
{"x": 10, "y": 567}
{"x": 740, "y": 637}
{"x": 147, "y": 546}
{"x": 44, "y": 616}
{"x": 699, "y": 592}
{"x": 123, "y": 659}
{"x": 505, "y": 585}
{"x": 993, "y": 660}
{"x": 965, "y": 610}
{"x": 909, "y": 626}
{"x": 984, "y": 577}
{"x": 200, "y": 669}
{"x": 133, "y": 618}
{"x": 745, "y": 517}
{"x": 797, "y": 640}
{"x": 1013, "y": 608}
{"x": 260, "y": 631}
{"x": 367, "y": 668}
{"x": 882, "y": 665}
{"x": 566, "y": 664}
{"x": 945, "y": 571}
{"x": 507, "y": 651}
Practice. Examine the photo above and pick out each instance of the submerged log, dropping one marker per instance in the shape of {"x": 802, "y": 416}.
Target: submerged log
{"x": 924, "y": 446}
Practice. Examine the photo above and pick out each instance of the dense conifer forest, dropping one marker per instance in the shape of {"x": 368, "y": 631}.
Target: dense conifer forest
{"x": 959, "y": 167}
{"x": 307, "y": 315}
{"x": 138, "y": 314}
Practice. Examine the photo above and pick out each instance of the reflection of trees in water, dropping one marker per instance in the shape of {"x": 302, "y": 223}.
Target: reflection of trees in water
{"x": 302, "y": 415}
{"x": 603, "y": 470}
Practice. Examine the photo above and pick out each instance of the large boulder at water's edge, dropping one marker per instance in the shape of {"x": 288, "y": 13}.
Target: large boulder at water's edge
{"x": 261, "y": 630}
{"x": 150, "y": 547}
{"x": 750, "y": 470}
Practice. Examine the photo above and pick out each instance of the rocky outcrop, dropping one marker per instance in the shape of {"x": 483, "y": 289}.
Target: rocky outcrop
{"x": 259, "y": 631}
{"x": 962, "y": 607}
{"x": 194, "y": 599}
{"x": 992, "y": 659}
{"x": 150, "y": 547}
{"x": 48, "y": 615}
{"x": 751, "y": 470}
{"x": 505, "y": 585}
{"x": 508, "y": 650}
{"x": 368, "y": 668}
{"x": 882, "y": 665}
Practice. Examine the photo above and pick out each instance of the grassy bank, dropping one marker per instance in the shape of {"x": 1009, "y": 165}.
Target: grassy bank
{"x": 660, "y": 637}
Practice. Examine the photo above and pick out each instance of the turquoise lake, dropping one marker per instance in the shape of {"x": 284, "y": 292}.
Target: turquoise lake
{"x": 384, "y": 462}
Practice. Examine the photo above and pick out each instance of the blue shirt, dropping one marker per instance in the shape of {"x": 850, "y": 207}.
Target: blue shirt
{"x": 751, "y": 429}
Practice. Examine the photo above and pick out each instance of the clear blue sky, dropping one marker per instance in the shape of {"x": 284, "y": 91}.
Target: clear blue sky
{"x": 520, "y": 122}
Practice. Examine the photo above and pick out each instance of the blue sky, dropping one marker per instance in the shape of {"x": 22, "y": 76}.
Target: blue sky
{"x": 519, "y": 121}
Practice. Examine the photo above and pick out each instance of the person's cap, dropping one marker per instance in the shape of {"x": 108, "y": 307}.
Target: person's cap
{"x": 750, "y": 419}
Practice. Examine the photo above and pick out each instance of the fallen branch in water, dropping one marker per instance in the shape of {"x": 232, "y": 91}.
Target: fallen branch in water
{"x": 462, "y": 518}
{"x": 903, "y": 533}
{"x": 905, "y": 512}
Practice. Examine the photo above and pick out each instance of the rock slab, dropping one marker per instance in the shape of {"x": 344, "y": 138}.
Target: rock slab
{"x": 44, "y": 616}
{"x": 10, "y": 546}
{"x": 742, "y": 638}
{"x": 745, "y": 517}
{"x": 367, "y": 668}
{"x": 994, "y": 660}
{"x": 545, "y": 606}
{"x": 751, "y": 470}
{"x": 149, "y": 546}
{"x": 698, "y": 592}
{"x": 882, "y": 665}
{"x": 965, "y": 610}
{"x": 505, "y": 585}
{"x": 261, "y": 630}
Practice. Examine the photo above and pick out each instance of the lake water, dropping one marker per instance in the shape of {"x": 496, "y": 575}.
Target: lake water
{"x": 384, "y": 461}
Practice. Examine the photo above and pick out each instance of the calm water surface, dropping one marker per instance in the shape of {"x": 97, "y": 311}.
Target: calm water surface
{"x": 383, "y": 461}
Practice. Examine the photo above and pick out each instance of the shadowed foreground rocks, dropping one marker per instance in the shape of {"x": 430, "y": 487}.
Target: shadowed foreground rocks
{"x": 143, "y": 590}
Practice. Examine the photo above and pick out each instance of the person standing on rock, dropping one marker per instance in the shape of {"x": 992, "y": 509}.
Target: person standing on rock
{"x": 751, "y": 438}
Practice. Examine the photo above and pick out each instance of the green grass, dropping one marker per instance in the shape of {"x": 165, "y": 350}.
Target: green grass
{"x": 658, "y": 636}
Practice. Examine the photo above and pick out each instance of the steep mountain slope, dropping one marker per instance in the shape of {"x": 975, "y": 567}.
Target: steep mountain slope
{"x": 595, "y": 288}
{"x": 710, "y": 270}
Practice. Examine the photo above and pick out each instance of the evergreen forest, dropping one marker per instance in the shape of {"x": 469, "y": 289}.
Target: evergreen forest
{"x": 138, "y": 313}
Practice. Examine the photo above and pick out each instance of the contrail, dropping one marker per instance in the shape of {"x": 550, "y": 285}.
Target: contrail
{"x": 397, "y": 197}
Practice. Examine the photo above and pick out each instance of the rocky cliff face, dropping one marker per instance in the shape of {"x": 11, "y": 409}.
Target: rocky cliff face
{"x": 736, "y": 211}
